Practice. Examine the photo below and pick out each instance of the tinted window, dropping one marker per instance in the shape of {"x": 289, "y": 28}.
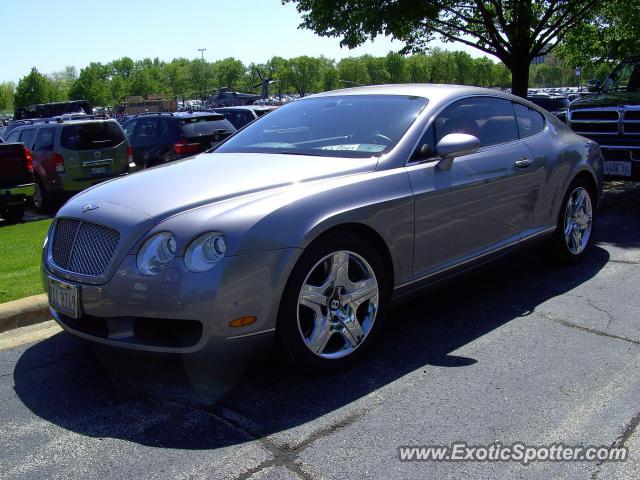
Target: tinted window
{"x": 154, "y": 130}
{"x": 13, "y": 137}
{"x": 129, "y": 127}
{"x": 26, "y": 136}
{"x": 530, "y": 122}
{"x": 44, "y": 140}
{"x": 491, "y": 120}
{"x": 337, "y": 126}
{"x": 206, "y": 125}
{"x": 91, "y": 136}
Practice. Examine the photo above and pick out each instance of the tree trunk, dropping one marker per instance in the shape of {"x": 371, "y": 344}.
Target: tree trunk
{"x": 520, "y": 76}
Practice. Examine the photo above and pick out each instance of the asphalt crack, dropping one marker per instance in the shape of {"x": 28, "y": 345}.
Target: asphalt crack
{"x": 592, "y": 304}
{"x": 619, "y": 441}
{"x": 589, "y": 330}
{"x": 283, "y": 455}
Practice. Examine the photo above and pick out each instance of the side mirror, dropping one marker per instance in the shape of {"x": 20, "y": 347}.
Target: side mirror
{"x": 455, "y": 145}
{"x": 593, "y": 86}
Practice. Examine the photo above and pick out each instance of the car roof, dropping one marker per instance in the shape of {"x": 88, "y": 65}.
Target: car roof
{"x": 248, "y": 107}
{"x": 193, "y": 114}
{"x": 436, "y": 93}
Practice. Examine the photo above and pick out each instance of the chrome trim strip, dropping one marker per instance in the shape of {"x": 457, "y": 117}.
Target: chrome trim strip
{"x": 496, "y": 250}
{"x": 620, "y": 147}
{"x": 252, "y": 334}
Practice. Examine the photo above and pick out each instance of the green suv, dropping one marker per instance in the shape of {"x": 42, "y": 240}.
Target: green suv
{"x": 69, "y": 156}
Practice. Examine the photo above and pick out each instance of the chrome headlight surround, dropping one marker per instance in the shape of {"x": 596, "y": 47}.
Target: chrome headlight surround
{"x": 156, "y": 253}
{"x": 205, "y": 251}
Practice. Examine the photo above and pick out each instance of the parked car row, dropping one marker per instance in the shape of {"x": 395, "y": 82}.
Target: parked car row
{"x": 70, "y": 153}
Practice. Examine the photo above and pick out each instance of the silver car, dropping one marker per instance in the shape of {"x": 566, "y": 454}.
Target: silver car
{"x": 307, "y": 223}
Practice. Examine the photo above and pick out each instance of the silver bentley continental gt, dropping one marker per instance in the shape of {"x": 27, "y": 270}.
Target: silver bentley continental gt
{"x": 306, "y": 223}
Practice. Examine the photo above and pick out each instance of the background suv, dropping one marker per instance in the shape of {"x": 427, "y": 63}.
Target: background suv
{"x": 241, "y": 116}
{"x": 157, "y": 138}
{"x": 69, "y": 156}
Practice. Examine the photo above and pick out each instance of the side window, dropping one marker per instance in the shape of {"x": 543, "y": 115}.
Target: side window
{"x": 426, "y": 146}
{"x": 129, "y": 127}
{"x": 530, "y": 122}
{"x": 146, "y": 129}
{"x": 491, "y": 120}
{"x": 44, "y": 140}
{"x": 25, "y": 137}
{"x": 13, "y": 137}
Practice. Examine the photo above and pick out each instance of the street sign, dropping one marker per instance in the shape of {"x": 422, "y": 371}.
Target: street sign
{"x": 578, "y": 71}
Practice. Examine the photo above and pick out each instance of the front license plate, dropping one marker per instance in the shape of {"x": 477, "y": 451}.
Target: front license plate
{"x": 64, "y": 298}
{"x": 622, "y": 169}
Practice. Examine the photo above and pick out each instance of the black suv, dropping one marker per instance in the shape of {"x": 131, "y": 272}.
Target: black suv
{"x": 611, "y": 117}
{"x": 157, "y": 138}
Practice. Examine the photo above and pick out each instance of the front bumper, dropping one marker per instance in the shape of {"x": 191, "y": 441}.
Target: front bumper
{"x": 180, "y": 311}
{"x": 16, "y": 195}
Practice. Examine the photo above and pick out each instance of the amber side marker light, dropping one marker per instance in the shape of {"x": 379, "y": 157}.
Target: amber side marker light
{"x": 242, "y": 322}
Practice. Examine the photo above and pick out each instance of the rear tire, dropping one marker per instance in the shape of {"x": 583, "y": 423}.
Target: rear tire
{"x": 332, "y": 308}
{"x": 13, "y": 213}
{"x": 575, "y": 230}
{"x": 42, "y": 199}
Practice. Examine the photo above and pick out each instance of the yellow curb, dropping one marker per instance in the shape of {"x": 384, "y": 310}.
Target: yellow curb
{"x": 23, "y": 312}
{"x": 32, "y": 333}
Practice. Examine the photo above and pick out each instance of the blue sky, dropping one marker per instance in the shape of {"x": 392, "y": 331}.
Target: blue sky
{"x": 50, "y": 34}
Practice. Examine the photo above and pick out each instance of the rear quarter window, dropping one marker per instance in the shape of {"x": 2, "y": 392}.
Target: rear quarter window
{"x": 530, "y": 122}
{"x": 91, "y": 136}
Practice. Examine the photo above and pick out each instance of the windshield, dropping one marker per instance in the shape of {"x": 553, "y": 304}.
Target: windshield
{"x": 336, "y": 126}
{"x": 625, "y": 78}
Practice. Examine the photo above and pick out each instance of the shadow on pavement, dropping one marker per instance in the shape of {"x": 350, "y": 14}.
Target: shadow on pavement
{"x": 171, "y": 403}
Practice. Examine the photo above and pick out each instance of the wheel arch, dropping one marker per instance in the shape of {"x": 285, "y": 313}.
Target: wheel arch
{"x": 590, "y": 178}
{"x": 368, "y": 234}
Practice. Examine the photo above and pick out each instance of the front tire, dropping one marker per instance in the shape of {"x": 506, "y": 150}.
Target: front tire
{"x": 333, "y": 304}
{"x": 575, "y": 229}
{"x": 13, "y": 213}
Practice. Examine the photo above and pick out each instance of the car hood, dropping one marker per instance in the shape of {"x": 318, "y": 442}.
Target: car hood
{"x": 163, "y": 191}
{"x": 607, "y": 100}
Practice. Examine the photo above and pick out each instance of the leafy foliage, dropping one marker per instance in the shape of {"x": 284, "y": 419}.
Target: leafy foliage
{"x": 612, "y": 35}
{"x": 515, "y": 31}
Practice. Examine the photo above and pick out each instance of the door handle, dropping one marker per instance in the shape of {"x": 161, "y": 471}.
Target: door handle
{"x": 523, "y": 162}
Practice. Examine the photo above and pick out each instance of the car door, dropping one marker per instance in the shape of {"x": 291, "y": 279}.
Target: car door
{"x": 478, "y": 205}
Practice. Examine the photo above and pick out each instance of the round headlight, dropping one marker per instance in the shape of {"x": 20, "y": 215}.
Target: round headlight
{"x": 205, "y": 251}
{"x": 156, "y": 253}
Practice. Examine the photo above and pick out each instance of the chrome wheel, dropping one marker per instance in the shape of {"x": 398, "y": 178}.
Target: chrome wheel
{"x": 38, "y": 200}
{"x": 337, "y": 304}
{"x": 578, "y": 220}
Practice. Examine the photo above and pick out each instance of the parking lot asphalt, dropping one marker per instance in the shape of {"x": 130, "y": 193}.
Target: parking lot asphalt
{"x": 520, "y": 351}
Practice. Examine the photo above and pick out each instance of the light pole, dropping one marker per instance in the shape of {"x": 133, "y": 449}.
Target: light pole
{"x": 202, "y": 50}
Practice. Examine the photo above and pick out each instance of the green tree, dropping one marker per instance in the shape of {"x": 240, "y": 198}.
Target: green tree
{"x": 377, "y": 69}
{"x": 93, "y": 85}
{"x": 515, "y": 31}
{"x": 6, "y": 96}
{"x": 229, "y": 72}
{"x": 302, "y": 73}
{"x": 396, "y": 68}
{"x": 418, "y": 68}
{"x": 353, "y": 71}
{"x": 612, "y": 35}
{"x": 32, "y": 89}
